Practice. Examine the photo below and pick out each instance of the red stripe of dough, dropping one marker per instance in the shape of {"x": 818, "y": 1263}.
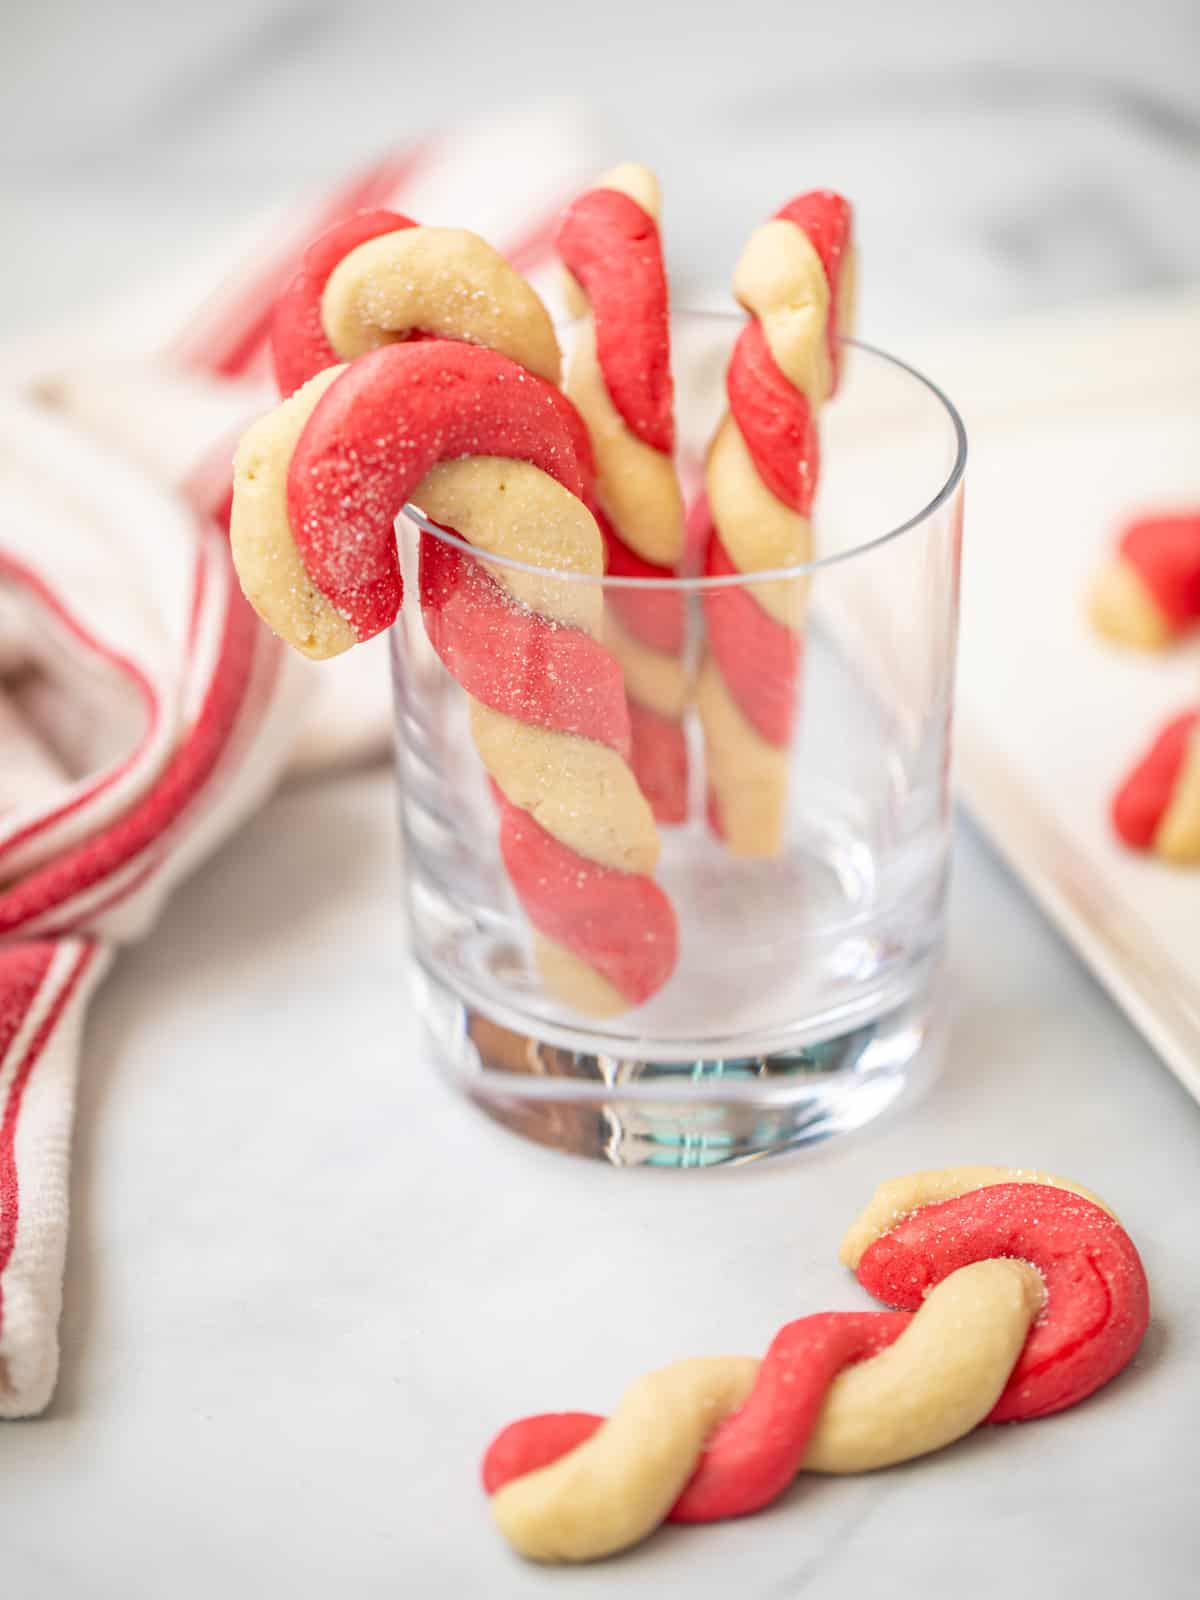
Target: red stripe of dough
{"x": 752, "y": 1456}
{"x": 534, "y": 1442}
{"x": 613, "y": 248}
{"x": 659, "y": 760}
{"x": 759, "y": 658}
{"x": 1165, "y": 553}
{"x": 513, "y": 659}
{"x": 1141, "y": 802}
{"x": 619, "y": 923}
{"x": 299, "y": 346}
{"x": 776, "y": 421}
{"x": 655, "y": 612}
{"x": 379, "y": 428}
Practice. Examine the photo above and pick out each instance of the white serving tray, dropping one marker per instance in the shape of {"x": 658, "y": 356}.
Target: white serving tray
{"x": 1071, "y": 430}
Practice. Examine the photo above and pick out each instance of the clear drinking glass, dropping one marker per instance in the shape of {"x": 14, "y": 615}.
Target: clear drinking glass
{"x": 805, "y": 993}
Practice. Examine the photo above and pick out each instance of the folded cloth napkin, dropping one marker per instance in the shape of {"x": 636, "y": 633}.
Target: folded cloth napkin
{"x": 144, "y": 711}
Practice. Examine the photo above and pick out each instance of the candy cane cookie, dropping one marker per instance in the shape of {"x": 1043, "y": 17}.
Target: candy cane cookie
{"x": 1157, "y": 807}
{"x": 1148, "y": 595}
{"x": 1016, "y": 1295}
{"x": 620, "y": 378}
{"x": 796, "y": 279}
{"x": 488, "y": 449}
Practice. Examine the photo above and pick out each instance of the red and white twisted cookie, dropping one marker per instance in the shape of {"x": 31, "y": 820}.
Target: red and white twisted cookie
{"x": 1148, "y": 596}
{"x": 796, "y": 279}
{"x": 620, "y": 379}
{"x": 488, "y": 449}
{"x": 1018, "y": 1295}
{"x": 1157, "y": 808}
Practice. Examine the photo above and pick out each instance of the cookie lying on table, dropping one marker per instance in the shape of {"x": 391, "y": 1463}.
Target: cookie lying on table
{"x": 1018, "y": 1295}
{"x": 1148, "y": 595}
{"x": 1157, "y": 807}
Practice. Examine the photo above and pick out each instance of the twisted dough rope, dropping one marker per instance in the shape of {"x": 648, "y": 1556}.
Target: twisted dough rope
{"x": 377, "y": 278}
{"x": 796, "y": 279}
{"x": 1148, "y": 596}
{"x": 1021, "y": 1295}
{"x": 318, "y": 484}
{"x": 620, "y": 378}
{"x": 1157, "y": 808}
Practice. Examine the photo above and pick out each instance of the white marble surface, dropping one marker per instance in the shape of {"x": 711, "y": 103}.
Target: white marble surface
{"x": 304, "y": 1285}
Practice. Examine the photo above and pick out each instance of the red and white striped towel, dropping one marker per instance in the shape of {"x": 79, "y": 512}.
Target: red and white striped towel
{"x": 144, "y": 712}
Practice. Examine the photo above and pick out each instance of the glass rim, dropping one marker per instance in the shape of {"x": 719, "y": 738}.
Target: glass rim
{"x": 701, "y": 583}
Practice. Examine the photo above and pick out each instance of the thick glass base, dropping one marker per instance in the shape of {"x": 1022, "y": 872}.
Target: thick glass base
{"x": 710, "y": 1110}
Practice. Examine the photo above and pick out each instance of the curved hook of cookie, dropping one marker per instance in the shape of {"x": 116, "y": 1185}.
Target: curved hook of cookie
{"x": 620, "y": 371}
{"x": 319, "y": 481}
{"x": 379, "y": 278}
{"x": 900, "y": 1197}
{"x": 300, "y": 346}
{"x": 609, "y": 243}
{"x": 1097, "y": 1299}
{"x": 1026, "y": 1296}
